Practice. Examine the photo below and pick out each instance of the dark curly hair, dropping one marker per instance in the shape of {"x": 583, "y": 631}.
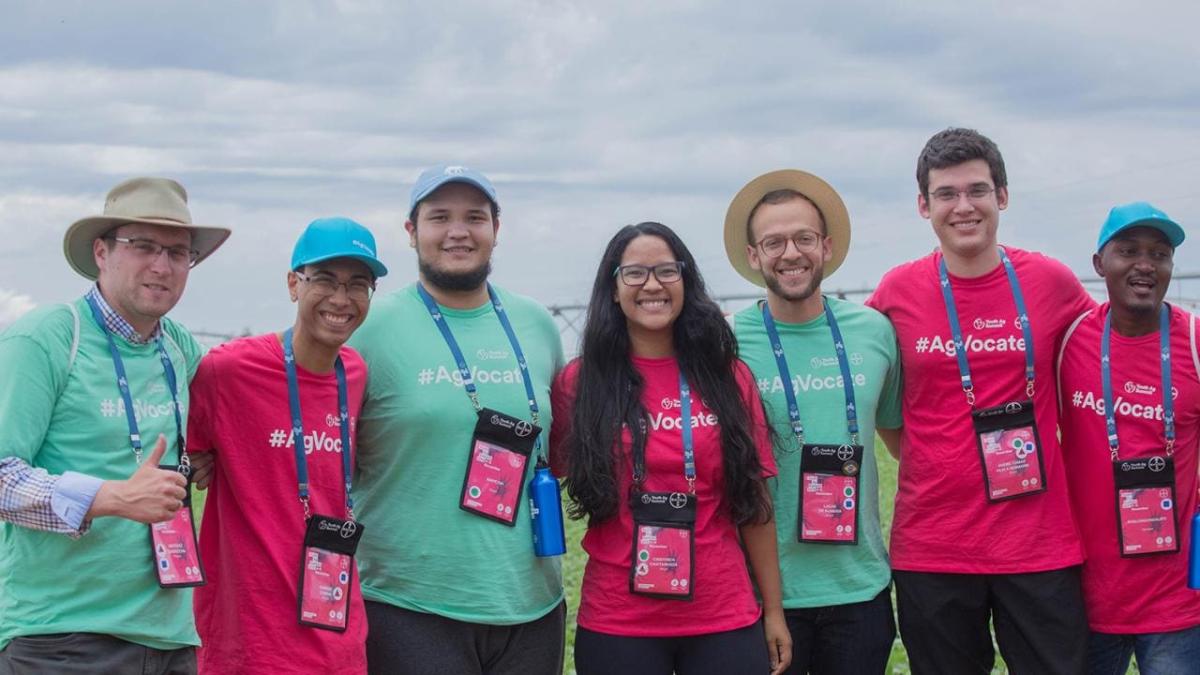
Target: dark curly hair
{"x": 609, "y": 389}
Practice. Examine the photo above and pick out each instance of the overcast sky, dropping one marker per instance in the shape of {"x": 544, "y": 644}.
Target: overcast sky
{"x": 587, "y": 116}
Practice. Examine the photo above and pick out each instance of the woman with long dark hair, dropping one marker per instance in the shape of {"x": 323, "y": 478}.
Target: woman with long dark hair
{"x": 660, "y": 433}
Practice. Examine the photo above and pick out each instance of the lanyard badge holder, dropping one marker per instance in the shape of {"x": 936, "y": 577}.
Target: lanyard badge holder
{"x": 502, "y": 445}
{"x": 327, "y": 556}
{"x": 664, "y": 523}
{"x": 829, "y": 497}
{"x": 500, "y": 450}
{"x": 173, "y": 544}
{"x": 1145, "y": 487}
{"x": 1006, "y": 436}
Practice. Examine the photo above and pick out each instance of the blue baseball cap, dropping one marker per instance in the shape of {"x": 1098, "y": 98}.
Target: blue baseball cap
{"x": 329, "y": 238}
{"x": 1139, "y": 214}
{"x": 435, "y": 177}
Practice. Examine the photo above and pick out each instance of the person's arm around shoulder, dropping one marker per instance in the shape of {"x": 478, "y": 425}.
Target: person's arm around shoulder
{"x": 202, "y": 406}
{"x": 888, "y": 414}
{"x": 562, "y": 402}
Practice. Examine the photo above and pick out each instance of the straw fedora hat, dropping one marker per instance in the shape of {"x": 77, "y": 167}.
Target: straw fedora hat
{"x": 153, "y": 201}
{"x": 826, "y": 199}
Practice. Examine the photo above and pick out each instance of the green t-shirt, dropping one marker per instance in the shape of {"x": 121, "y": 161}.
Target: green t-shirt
{"x": 62, "y": 417}
{"x": 419, "y": 550}
{"x": 818, "y": 575}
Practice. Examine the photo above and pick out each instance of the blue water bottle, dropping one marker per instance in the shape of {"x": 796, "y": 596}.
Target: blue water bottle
{"x": 1194, "y": 555}
{"x": 545, "y": 508}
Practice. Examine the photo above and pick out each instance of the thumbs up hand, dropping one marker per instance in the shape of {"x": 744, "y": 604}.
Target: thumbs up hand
{"x": 150, "y": 495}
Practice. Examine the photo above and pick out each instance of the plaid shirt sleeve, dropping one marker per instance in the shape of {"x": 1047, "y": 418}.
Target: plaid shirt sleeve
{"x": 35, "y": 499}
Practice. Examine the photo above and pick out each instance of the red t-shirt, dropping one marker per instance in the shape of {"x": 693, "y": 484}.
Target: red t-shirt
{"x": 723, "y": 598}
{"x": 253, "y": 527}
{"x": 1130, "y": 595}
{"x": 943, "y": 520}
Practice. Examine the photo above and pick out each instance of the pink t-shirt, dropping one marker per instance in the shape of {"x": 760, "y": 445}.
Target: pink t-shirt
{"x": 253, "y": 527}
{"x": 723, "y": 598}
{"x": 943, "y": 520}
{"x": 1130, "y": 595}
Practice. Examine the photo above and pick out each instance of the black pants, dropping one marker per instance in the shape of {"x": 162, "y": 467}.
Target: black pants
{"x": 741, "y": 651}
{"x": 403, "y": 642}
{"x": 1038, "y": 618}
{"x": 90, "y": 653}
{"x": 851, "y": 639}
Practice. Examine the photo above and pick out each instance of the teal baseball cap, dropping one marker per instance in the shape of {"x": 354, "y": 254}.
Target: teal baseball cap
{"x": 1139, "y": 214}
{"x": 338, "y": 237}
{"x": 435, "y": 177}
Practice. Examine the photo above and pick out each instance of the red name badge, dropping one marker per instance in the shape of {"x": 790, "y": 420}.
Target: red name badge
{"x": 1147, "y": 520}
{"x": 830, "y": 503}
{"x": 664, "y": 561}
{"x": 325, "y": 602}
{"x": 1011, "y": 459}
{"x": 176, "y": 555}
{"x": 495, "y": 477}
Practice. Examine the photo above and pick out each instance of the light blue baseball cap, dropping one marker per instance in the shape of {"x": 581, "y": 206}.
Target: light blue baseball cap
{"x": 436, "y": 176}
{"x": 1139, "y": 214}
{"x": 329, "y": 238}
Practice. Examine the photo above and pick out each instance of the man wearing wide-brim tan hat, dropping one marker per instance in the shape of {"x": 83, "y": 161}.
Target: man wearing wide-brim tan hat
{"x": 93, "y": 399}
{"x": 788, "y": 230}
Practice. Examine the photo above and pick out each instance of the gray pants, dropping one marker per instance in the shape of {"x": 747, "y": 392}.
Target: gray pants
{"x": 401, "y": 642}
{"x": 90, "y": 653}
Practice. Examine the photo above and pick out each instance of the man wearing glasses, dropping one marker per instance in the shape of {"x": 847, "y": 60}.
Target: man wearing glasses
{"x": 93, "y": 399}
{"x": 983, "y": 526}
{"x": 829, "y": 375}
{"x": 449, "y": 574}
{"x": 277, "y": 414}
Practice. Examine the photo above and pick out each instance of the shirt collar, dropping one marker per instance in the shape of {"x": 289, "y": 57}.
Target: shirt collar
{"x": 117, "y": 323}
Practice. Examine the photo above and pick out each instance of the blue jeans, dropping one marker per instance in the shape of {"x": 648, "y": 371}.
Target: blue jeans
{"x": 1174, "y": 653}
{"x": 850, "y": 639}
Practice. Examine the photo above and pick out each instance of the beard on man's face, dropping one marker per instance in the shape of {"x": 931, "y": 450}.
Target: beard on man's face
{"x": 468, "y": 280}
{"x": 813, "y": 285}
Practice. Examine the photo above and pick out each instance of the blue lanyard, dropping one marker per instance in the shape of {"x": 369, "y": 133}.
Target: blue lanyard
{"x": 1110, "y": 418}
{"x": 960, "y": 350}
{"x": 839, "y": 347}
{"x": 289, "y": 364}
{"x": 135, "y": 438}
{"x": 464, "y": 371}
{"x": 685, "y": 430}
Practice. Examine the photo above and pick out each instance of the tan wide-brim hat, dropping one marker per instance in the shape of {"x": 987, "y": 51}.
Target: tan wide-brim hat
{"x": 833, "y": 210}
{"x": 152, "y": 201}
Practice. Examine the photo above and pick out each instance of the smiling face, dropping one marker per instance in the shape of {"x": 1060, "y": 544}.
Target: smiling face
{"x": 650, "y": 310}
{"x": 1136, "y": 265}
{"x": 142, "y": 287}
{"x": 324, "y": 318}
{"x": 795, "y": 275}
{"x": 965, "y": 227}
{"x": 454, "y": 235}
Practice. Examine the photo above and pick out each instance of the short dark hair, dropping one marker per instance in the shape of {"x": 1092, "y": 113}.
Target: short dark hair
{"x": 781, "y": 196}
{"x": 955, "y": 146}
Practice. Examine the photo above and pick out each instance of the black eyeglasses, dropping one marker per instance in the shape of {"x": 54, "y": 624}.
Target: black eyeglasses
{"x": 638, "y": 275}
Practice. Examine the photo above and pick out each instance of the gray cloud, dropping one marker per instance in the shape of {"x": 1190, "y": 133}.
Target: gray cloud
{"x": 588, "y": 117}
